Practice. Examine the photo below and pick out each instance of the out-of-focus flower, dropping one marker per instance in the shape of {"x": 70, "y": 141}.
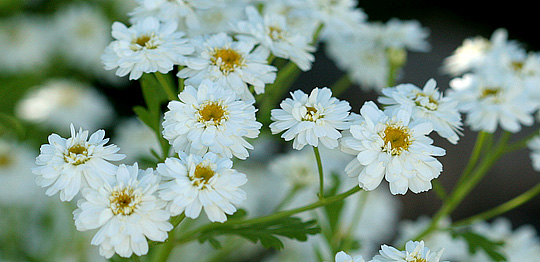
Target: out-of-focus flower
{"x": 127, "y": 211}
{"x": 414, "y": 251}
{"x": 148, "y": 46}
{"x": 182, "y": 12}
{"x": 341, "y": 256}
{"x": 136, "y": 140}
{"x": 195, "y": 182}
{"x": 17, "y": 186}
{"x": 67, "y": 165}
{"x": 310, "y": 119}
{"x": 60, "y": 102}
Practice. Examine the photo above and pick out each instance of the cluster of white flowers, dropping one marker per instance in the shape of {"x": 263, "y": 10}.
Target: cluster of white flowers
{"x": 415, "y": 251}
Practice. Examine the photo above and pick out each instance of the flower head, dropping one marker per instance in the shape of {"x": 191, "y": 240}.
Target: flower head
{"x": 232, "y": 64}
{"x": 414, "y": 252}
{"x": 427, "y": 104}
{"x": 311, "y": 118}
{"x": 194, "y": 182}
{"x": 67, "y": 165}
{"x": 127, "y": 211}
{"x": 210, "y": 118}
{"x": 146, "y": 47}
{"x": 393, "y": 147}
{"x": 341, "y": 256}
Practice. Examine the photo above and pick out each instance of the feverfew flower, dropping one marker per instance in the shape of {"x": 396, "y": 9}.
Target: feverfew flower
{"x": 17, "y": 184}
{"x": 391, "y": 147}
{"x": 492, "y": 98}
{"x": 341, "y": 256}
{"x": 146, "y": 47}
{"x": 127, "y": 211}
{"x": 232, "y": 64}
{"x": 311, "y": 118}
{"x": 428, "y": 104}
{"x": 211, "y": 118}
{"x": 67, "y": 165}
{"x": 182, "y": 12}
{"x": 194, "y": 182}
{"x": 414, "y": 252}
{"x": 59, "y": 102}
{"x": 271, "y": 31}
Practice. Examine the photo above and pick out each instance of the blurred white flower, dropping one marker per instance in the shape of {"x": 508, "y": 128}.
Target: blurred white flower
{"x": 26, "y": 44}
{"x": 68, "y": 165}
{"x": 392, "y": 147}
{"x": 271, "y": 31}
{"x": 195, "y": 182}
{"x": 341, "y": 256}
{"x": 59, "y": 102}
{"x": 534, "y": 146}
{"x": 210, "y": 119}
{"x": 17, "y": 186}
{"x": 148, "y": 46}
{"x": 311, "y": 118}
{"x": 428, "y": 104}
{"x": 182, "y": 12}
{"x": 127, "y": 211}
{"x": 337, "y": 17}
{"x": 136, "y": 140}
{"x": 232, "y": 64}
{"x": 414, "y": 251}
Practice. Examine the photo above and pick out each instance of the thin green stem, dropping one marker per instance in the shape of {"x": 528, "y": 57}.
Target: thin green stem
{"x": 481, "y": 138}
{"x": 321, "y": 172}
{"x": 341, "y": 85}
{"x": 171, "y": 93}
{"x": 287, "y": 199}
{"x": 502, "y": 208}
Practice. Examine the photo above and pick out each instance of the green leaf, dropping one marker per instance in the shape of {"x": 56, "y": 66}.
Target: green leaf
{"x": 266, "y": 233}
{"x": 477, "y": 242}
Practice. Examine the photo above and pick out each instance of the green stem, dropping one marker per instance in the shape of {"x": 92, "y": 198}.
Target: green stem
{"x": 502, "y": 208}
{"x": 171, "y": 94}
{"x": 276, "y": 216}
{"x": 321, "y": 173}
{"x": 287, "y": 199}
{"x": 463, "y": 189}
{"x": 341, "y": 85}
{"x": 475, "y": 155}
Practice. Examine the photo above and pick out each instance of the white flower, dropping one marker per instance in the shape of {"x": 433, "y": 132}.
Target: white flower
{"x": 414, "y": 252}
{"x": 60, "y": 102}
{"x": 427, "y": 104}
{"x": 405, "y": 35}
{"x": 337, "y": 17}
{"x": 394, "y": 148}
{"x": 17, "y": 184}
{"x": 194, "y": 182}
{"x": 534, "y": 146}
{"x": 491, "y": 98}
{"x": 341, "y": 256}
{"x": 67, "y": 165}
{"x": 146, "y": 47}
{"x": 311, "y": 118}
{"x": 272, "y": 32}
{"x": 213, "y": 119}
{"x": 232, "y": 64}
{"x": 126, "y": 211}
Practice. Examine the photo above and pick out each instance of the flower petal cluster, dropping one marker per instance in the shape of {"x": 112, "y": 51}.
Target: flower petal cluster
{"x": 391, "y": 146}
{"x": 272, "y": 32}
{"x": 210, "y": 118}
{"x": 193, "y": 182}
{"x": 414, "y": 252}
{"x": 232, "y": 64}
{"x": 341, "y": 256}
{"x": 126, "y": 211}
{"x": 148, "y": 46}
{"x": 534, "y": 146}
{"x": 428, "y": 104}
{"x": 67, "y": 165}
{"x": 311, "y": 118}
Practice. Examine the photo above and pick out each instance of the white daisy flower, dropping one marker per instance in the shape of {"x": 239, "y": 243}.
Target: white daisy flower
{"x": 391, "y": 147}
{"x": 341, "y": 256}
{"x": 232, "y": 64}
{"x": 491, "y": 99}
{"x": 272, "y": 31}
{"x": 146, "y": 47}
{"x": 127, "y": 211}
{"x": 337, "y": 17}
{"x": 67, "y": 165}
{"x": 58, "y": 103}
{"x": 195, "y": 182}
{"x": 210, "y": 118}
{"x": 408, "y": 35}
{"x": 414, "y": 252}
{"x": 428, "y": 104}
{"x": 311, "y": 118}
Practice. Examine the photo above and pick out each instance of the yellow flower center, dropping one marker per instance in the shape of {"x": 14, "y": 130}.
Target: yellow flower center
{"x": 275, "y": 33}
{"x": 396, "y": 139}
{"x": 143, "y": 41}
{"x": 425, "y": 101}
{"x": 124, "y": 201}
{"x": 202, "y": 175}
{"x": 5, "y": 160}
{"x": 212, "y": 113}
{"x": 76, "y": 155}
{"x": 312, "y": 114}
{"x": 517, "y": 65}
{"x": 227, "y": 59}
{"x": 490, "y": 92}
